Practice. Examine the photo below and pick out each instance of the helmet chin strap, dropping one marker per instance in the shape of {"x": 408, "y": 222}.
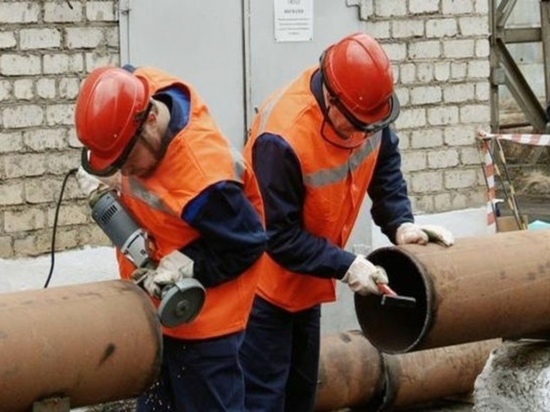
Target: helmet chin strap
{"x": 85, "y": 161}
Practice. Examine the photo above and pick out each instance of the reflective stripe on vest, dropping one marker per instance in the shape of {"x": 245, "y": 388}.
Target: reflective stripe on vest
{"x": 136, "y": 189}
{"x": 329, "y": 176}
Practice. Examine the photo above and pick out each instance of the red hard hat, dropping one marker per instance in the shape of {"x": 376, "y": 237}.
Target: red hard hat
{"x": 358, "y": 74}
{"x": 109, "y": 111}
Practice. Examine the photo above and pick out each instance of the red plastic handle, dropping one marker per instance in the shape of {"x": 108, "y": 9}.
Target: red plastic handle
{"x": 385, "y": 289}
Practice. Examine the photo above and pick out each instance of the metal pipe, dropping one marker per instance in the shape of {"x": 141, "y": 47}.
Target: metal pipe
{"x": 481, "y": 288}
{"x": 350, "y": 372}
{"x": 91, "y": 343}
{"x": 354, "y": 374}
{"x": 424, "y": 377}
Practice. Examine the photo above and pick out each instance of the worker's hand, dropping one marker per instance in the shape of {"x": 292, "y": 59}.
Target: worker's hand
{"x": 171, "y": 269}
{"x": 90, "y": 185}
{"x": 409, "y": 233}
{"x": 362, "y": 276}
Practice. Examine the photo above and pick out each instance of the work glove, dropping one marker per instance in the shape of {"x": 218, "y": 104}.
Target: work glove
{"x": 409, "y": 233}
{"x": 91, "y": 185}
{"x": 363, "y": 277}
{"x": 172, "y": 268}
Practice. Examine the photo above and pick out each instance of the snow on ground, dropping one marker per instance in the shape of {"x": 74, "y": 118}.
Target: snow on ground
{"x": 71, "y": 267}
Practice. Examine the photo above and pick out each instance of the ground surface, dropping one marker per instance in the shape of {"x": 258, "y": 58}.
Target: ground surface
{"x": 526, "y": 176}
{"x": 452, "y": 405}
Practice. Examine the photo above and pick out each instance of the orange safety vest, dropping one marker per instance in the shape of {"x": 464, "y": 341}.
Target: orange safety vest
{"x": 335, "y": 180}
{"x": 197, "y": 157}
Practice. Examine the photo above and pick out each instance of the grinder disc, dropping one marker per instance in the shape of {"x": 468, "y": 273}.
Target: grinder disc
{"x": 181, "y": 303}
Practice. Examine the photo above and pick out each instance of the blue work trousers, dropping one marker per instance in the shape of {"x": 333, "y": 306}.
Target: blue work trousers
{"x": 197, "y": 376}
{"x": 280, "y": 358}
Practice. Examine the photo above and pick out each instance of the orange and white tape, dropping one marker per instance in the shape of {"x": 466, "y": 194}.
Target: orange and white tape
{"x": 489, "y": 166}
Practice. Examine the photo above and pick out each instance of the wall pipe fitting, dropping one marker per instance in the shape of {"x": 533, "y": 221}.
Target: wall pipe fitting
{"x": 481, "y": 288}
{"x": 353, "y": 373}
{"x": 91, "y": 343}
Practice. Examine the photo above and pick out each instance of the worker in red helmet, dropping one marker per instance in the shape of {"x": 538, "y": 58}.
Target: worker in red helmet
{"x": 200, "y": 205}
{"x": 318, "y": 147}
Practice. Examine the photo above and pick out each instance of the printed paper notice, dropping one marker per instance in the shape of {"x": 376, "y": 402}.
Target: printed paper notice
{"x": 293, "y": 20}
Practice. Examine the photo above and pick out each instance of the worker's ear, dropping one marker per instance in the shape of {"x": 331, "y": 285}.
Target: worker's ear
{"x": 152, "y": 117}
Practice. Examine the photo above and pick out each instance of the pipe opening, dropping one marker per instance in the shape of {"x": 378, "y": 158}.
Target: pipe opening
{"x": 393, "y": 328}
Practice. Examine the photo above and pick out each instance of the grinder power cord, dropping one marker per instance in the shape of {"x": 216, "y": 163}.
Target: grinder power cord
{"x": 54, "y": 230}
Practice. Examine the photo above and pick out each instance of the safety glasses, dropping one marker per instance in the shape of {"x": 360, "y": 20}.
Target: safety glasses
{"x": 368, "y": 128}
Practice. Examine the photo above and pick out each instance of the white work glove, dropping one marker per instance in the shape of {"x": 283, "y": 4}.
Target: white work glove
{"x": 362, "y": 276}
{"x": 172, "y": 268}
{"x": 91, "y": 185}
{"x": 409, "y": 233}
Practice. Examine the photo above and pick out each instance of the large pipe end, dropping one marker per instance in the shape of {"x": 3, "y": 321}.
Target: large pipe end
{"x": 90, "y": 343}
{"x": 396, "y": 329}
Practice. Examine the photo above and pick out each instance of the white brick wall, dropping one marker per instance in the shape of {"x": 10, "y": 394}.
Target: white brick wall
{"x": 440, "y": 51}
{"x": 46, "y": 49}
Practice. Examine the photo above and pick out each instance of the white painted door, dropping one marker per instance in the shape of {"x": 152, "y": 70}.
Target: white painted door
{"x": 199, "y": 41}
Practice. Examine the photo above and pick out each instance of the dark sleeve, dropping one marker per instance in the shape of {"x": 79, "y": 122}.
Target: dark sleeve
{"x": 280, "y": 178}
{"x": 232, "y": 233}
{"x": 129, "y": 68}
{"x": 388, "y": 190}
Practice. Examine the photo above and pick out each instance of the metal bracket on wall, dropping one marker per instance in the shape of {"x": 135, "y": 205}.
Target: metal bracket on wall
{"x": 504, "y": 70}
{"x": 520, "y": 89}
{"x": 498, "y": 76}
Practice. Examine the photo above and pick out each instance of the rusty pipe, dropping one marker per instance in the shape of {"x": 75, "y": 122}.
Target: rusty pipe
{"x": 481, "y": 288}
{"x": 350, "y": 372}
{"x": 353, "y": 373}
{"x": 91, "y": 343}
{"x": 426, "y": 376}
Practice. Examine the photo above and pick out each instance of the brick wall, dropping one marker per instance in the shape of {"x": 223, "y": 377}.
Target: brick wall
{"x": 46, "y": 49}
{"x": 440, "y": 50}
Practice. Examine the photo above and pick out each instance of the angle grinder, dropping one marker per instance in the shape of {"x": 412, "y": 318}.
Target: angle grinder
{"x": 182, "y": 301}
